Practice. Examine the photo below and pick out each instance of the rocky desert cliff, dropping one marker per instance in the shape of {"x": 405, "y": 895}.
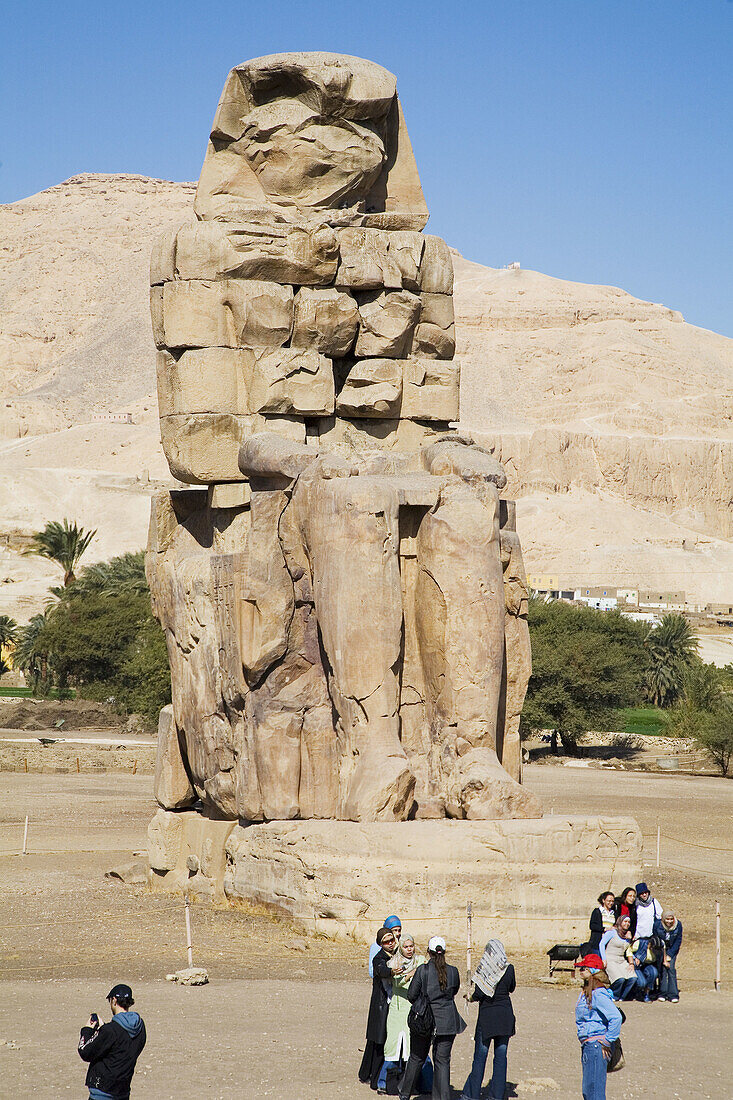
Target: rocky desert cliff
{"x": 611, "y": 415}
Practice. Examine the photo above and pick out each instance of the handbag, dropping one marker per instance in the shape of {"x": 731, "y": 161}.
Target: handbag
{"x": 617, "y": 1058}
{"x": 420, "y": 1018}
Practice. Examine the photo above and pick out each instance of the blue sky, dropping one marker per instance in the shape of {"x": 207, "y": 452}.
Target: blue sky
{"x": 589, "y": 139}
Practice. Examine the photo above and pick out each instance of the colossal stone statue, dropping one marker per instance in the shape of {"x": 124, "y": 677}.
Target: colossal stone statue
{"x": 344, "y": 602}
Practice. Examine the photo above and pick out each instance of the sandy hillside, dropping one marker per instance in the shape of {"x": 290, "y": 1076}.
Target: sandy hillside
{"x": 612, "y": 415}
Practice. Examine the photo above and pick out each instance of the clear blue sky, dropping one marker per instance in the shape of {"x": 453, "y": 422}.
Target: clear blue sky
{"x": 588, "y": 139}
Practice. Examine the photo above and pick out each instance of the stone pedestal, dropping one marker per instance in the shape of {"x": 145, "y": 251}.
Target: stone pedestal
{"x": 531, "y": 883}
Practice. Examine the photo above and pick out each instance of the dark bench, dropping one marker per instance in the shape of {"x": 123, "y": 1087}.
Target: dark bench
{"x": 563, "y": 953}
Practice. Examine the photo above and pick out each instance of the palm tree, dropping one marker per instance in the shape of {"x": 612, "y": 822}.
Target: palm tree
{"x": 8, "y": 631}
{"x": 672, "y": 648}
{"x": 63, "y": 543}
{"x": 30, "y": 654}
{"x": 123, "y": 574}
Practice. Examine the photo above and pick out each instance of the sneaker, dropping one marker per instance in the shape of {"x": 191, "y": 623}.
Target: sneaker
{"x": 661, "y": 998}
{"x": 674, "y": 1000}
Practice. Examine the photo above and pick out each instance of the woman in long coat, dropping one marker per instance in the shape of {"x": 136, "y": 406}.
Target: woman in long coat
{"x": 439, "y": 982}
{"x": 495, "y": 1021}
{"x": 376, "y": 1032}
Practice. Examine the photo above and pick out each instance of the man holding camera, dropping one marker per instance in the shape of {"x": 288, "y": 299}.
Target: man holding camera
{"x": 112, "y": 1049}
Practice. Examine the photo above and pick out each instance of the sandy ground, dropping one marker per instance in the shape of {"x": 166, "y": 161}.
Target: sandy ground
{"x": 284, "y": 1014}
{"x": 301, "y": 1041}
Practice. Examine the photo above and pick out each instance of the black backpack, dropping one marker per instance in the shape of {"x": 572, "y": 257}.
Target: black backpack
{"x": 420, "y": 1018}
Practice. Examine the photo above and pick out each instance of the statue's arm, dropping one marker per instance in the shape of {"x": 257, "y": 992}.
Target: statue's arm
{"x": 266, "y": 454}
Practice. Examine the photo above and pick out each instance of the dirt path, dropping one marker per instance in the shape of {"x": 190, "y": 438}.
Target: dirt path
{"x": 289, "y": 1040}
{"x": 284, "y": 1014}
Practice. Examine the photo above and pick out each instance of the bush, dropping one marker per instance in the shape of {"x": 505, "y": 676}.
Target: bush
{"x": 706, "y": 713}
{"x": 585, "y": 666}
{"x": 103, "y": 640}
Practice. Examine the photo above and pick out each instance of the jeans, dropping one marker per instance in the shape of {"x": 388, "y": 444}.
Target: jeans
{"x": 386, "y": 1066}
{"x": 419, "y": 1050}
{"x": 497, "y": 1085}
{"x": 668, "y": 981}
{"x": 624, "y": 988}
{"x": 425, "y": 1081}
{"x": 646, "y": 977}
{"x": 595, "y": 1069}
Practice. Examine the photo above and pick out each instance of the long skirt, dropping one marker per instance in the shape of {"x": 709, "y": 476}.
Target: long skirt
{"x": 371, "y": 1063}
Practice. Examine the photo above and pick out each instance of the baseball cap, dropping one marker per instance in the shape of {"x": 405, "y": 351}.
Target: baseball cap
{"x": 120, "y": 993}
{"x": 437, "y": 943}
{"x": 590, "y": 962}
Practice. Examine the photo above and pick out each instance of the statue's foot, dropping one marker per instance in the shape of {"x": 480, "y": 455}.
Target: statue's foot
{"x": 380, "y": 789}
{"x": 488, "y": 792}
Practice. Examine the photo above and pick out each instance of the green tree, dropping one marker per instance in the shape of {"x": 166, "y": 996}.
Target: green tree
{"x": 101, "y": 638}
{"x": 705, "y": 713}
{"x": 8, "y": 631}
{"x": 63, "y": 543}
{"x": 585, "y": 665}
{"x": 31, "y": 655}
{"x": 672, "y": 649}
{"x": 125, "y": 573}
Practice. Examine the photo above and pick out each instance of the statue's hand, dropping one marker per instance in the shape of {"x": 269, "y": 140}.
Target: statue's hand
{"x": 465, "y": 459}
{"x": 329, "y": 466}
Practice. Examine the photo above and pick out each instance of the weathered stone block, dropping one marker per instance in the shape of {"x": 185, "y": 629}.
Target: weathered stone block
{"x": 172, "y": 787}
{"x": 204, "y": 447}
{"x": 302, "y": 255}
{"x": 163, "y": 259}
{"x": 165, "y": 840}
{"x": 229, "y": 313}
{"x": 204, "y": 380}
{"x": 242, "y": 381}
{"x": 430, "y": 390}
{"x": 341, "y": 877}
{"x": 229, "y": 494}
{"x": 436, "y": 267}
{"x": 156, "y": 315}
{"x": 373, "y": 388}
{"x": 435, "y": 333}
{"x": 292, "y": 380}
{"x": 365, "y": 262}
{"x": 325, "y": 320}
{"x": 387, "y": 321}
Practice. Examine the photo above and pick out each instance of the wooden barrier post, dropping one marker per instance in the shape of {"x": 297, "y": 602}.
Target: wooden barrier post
{"x": 189, "y": 945}
{"x": 469, "y": 917}
{"x": 25, "y": 837}
{"x": 717, "y": 947}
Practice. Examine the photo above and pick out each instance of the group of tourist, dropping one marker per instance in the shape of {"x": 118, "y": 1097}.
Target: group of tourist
{"x": 413, "y": 1011}
{"x": 638, "y": 943}
{"x": 631, "y": 954}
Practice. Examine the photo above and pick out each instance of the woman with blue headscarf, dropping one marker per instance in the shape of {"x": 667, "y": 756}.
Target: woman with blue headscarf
{"x": 493, "y": 983}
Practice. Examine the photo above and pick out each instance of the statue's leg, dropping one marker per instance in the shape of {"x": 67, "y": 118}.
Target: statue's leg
{"x": 460, "y": 611}
{"x": 351, "y": 535}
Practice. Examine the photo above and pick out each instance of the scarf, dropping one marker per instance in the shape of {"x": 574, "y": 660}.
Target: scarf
{"x": 492, "y": 967}
{"x": 402, "y": 981}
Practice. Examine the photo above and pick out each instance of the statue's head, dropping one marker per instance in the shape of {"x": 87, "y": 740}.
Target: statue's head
{"x": 311, "y": 131}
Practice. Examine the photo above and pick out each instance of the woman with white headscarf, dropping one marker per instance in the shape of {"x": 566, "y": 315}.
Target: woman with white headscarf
{"x": 403, "y": 964}
{"x": 494, "y": 980}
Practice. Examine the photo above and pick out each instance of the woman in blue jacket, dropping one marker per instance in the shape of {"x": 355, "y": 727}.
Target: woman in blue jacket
{"x": 669, "y": 930}
{"x": 598, "y": 1021}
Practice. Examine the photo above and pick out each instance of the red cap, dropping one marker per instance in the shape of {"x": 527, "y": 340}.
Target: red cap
{"x": 591, "y": 962}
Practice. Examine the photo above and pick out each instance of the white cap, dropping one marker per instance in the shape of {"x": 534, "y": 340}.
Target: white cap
{"x": 437, "y": 943}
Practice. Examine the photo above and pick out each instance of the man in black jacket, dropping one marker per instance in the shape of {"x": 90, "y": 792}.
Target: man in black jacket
{"x": 113, "y": 1049}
